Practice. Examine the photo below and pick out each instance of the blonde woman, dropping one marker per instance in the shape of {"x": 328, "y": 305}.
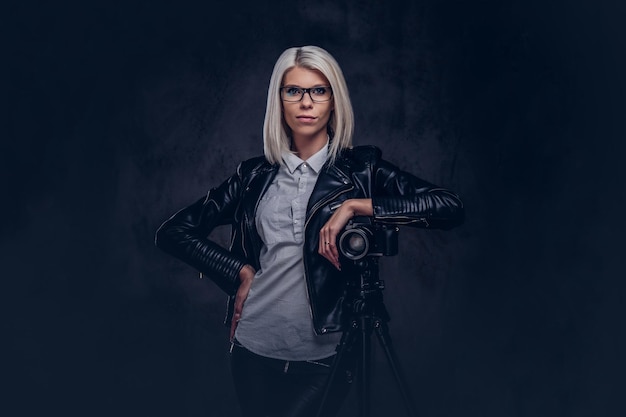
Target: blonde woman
{"x": 282, "y": 271}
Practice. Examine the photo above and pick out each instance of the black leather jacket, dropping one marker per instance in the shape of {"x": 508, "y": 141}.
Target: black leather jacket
{"x": 397, "y": 197}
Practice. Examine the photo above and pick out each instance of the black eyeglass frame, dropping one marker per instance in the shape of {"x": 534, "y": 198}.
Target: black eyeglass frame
{"x": 308, "y": 91}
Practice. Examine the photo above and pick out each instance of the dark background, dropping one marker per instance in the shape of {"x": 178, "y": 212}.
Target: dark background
{"x": 115, "y": 114}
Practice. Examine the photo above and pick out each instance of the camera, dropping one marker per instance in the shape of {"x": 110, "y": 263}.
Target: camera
{"x": 362, "y": 237}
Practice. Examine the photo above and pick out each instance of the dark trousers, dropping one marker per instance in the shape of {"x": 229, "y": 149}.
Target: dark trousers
{"x": 269, "y": 387}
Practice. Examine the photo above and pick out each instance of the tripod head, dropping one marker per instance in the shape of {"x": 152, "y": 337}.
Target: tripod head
{"x": 360, "y": 245}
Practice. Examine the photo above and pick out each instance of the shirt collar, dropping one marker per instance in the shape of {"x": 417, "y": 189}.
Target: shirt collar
{"x": 316, "y": 161}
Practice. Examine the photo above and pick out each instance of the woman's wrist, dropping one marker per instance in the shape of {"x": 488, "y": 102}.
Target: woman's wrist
{"x": 246, "y": 272}
{"x": 360, "y": 206}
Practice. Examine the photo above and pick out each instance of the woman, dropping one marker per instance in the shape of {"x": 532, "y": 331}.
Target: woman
{"x": 283, "y": 270}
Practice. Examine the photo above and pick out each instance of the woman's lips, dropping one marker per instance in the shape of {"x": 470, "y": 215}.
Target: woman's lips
{"x": 306, "y": 119}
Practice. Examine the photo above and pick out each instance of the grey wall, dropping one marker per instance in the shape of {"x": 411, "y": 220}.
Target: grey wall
{"x": 116, "y": 114}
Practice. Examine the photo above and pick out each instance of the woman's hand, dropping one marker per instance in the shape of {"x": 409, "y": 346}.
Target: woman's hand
{"x": 246, "y": 275}
{"x": 336, "y": 223}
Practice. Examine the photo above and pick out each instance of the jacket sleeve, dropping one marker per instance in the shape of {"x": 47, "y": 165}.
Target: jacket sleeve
{"x": 402, "y": 198}
{"x": 185, "y": 235}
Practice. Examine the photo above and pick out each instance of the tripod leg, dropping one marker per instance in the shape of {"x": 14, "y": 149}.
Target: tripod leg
{"x": 364, "y": 390}
{"x": 347, "y": 340}
{"x": 385, "y": 341}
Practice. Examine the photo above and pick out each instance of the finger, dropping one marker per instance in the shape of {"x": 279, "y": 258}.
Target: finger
{"x": 240, "y": 298}
{"x": 331, "y": 247}
{"x": 233, "y": 327}
{"x": 331, "y": 254}
{"x": 333, "y": 250}
{"x": 233, "y": 324}
{"x": 328, "y": 251}
{"x": 327, "y": 247}
{"x": 323, "y": 243}
{"x": 330, "y": 241}
{"x": 335, "y": 253}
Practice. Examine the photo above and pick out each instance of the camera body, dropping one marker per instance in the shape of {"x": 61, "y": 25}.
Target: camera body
{"x": 362, "y": 237}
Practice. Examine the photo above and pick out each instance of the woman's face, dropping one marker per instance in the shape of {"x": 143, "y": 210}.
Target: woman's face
{"x": 306, "y": 118}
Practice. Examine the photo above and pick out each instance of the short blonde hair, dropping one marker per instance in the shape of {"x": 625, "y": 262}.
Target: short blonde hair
{"x": 341, "y": 123}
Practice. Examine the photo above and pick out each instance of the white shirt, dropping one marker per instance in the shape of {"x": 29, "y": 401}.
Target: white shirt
{"x": 276, "y": 321}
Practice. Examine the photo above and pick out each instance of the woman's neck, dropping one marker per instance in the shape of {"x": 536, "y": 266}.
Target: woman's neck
{"x": 307, "y": 147}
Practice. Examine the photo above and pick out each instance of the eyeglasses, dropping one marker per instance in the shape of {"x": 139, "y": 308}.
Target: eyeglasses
{"x": 318, "y": 94}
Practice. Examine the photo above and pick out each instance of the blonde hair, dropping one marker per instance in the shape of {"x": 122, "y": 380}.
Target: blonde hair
{"x": 341, "y": 123}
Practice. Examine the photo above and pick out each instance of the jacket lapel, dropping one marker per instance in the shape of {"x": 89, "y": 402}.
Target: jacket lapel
{"x": 331, "y": 180}
{"x": 255, "y": 189}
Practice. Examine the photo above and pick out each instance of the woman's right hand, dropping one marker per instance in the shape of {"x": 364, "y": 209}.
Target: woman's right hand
{"x": 337, "y": 222}
{"x": 246, "y": 275}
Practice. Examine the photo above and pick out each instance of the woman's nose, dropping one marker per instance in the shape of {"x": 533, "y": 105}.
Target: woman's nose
{"x": 306, "y": 100}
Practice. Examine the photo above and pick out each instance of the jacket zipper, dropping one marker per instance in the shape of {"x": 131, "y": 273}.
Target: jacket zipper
{"x": 404, "y": 220}
{"x": 246, "y": 220}
{"x": 313, "y": 211}
{"x": 243, "y": 235}
{"x": 324, "y": 201}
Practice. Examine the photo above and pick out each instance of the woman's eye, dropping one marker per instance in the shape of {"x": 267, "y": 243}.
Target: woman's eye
{"x": 293, "y": 91}
{"x": 318, "y": 91}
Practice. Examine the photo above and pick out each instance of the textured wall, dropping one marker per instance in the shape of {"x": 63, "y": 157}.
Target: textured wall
{"x": 119, "y": 113}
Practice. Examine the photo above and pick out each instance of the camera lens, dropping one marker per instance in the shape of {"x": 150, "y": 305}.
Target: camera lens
{"x": 354, "y": 244}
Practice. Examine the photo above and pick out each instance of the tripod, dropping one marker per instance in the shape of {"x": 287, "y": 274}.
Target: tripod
{"x": 368, "y": 315}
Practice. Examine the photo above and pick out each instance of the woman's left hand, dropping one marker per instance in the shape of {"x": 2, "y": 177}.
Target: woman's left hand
{"x": 246, "y": 276}
{"x": 336, "y": 223}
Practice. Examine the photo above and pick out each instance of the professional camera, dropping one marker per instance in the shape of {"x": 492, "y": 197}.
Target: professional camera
{"x": 362, "y": 237}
